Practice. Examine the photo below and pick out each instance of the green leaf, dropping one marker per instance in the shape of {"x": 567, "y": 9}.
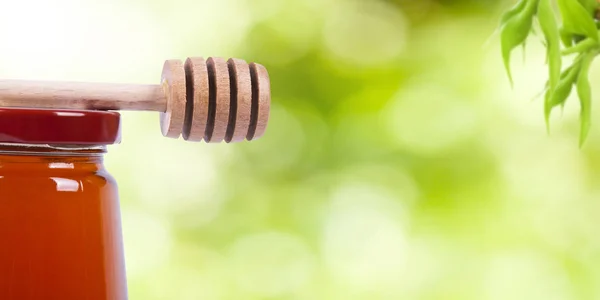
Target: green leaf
{"x": 584, "y": 91}
{"x": 559, "y": 95}
{"x": 565, "y": 85}
{"x": 566, "y": 37}
{"x": 576, "y": 19}
{"x": 547, "y": 109}
{"x": 549, "y": 27}
{"x": 582, "y": 47}
{"x": 513, "y": 11}
{"x": 514, "y": 32}
{"x": 590, "y": 6}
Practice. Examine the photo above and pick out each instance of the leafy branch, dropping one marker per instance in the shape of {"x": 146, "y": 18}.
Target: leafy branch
{"x": 569, "y": 27}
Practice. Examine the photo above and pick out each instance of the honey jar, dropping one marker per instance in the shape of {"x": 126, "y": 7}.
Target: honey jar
{"x": 60, "y": 225}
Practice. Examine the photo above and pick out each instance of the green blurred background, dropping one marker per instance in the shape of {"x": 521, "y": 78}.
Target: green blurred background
{"x": 398, "y": 163}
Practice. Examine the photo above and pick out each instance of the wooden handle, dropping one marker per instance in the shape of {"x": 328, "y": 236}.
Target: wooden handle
{"x": 81, "y": 95}
{"x": 212, "y": 100}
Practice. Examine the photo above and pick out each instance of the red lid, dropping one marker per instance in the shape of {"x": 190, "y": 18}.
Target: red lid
{"x": 45, "y": 126}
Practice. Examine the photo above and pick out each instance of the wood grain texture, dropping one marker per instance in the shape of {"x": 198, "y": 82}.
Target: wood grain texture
{"x": 241, "y": 100}
{"x": 173, "y": 83}
{"x": 219, "y": 99}
{"x": 81, "y": 95}
{"x": 261, "y": 101}
{"x": 197, "y": 99}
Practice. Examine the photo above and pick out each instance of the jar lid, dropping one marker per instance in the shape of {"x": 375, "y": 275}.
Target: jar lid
{"x": 51, "y": 126}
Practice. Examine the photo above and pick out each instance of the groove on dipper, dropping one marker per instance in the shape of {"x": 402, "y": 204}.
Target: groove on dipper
{"x": 254, "y": 111}
{"x": 212, "y": 99}
{"x": 189, "y": 102}
{"x": 233, "y": 96}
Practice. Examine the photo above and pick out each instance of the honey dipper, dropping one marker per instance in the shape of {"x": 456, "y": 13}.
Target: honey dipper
{"x": 213, "y": 100}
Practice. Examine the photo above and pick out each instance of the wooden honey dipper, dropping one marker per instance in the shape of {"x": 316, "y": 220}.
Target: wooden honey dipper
{"x": 212, "y": 100}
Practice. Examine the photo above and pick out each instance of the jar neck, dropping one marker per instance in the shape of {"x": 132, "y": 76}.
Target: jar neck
{"x": 53, "y": 156}
{"x": 52, "y": 150}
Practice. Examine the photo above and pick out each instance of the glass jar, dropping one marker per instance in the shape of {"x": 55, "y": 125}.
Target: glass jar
{"x": 60, "y": 226}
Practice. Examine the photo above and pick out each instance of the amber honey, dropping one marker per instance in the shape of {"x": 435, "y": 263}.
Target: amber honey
{"x": 60, "y": 232}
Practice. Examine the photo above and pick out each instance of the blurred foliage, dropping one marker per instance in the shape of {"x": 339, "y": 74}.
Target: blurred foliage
{"x": 398, "y": 163}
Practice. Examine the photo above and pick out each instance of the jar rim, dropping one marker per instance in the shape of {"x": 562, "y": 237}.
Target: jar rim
{"x": 59, "y": 127}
